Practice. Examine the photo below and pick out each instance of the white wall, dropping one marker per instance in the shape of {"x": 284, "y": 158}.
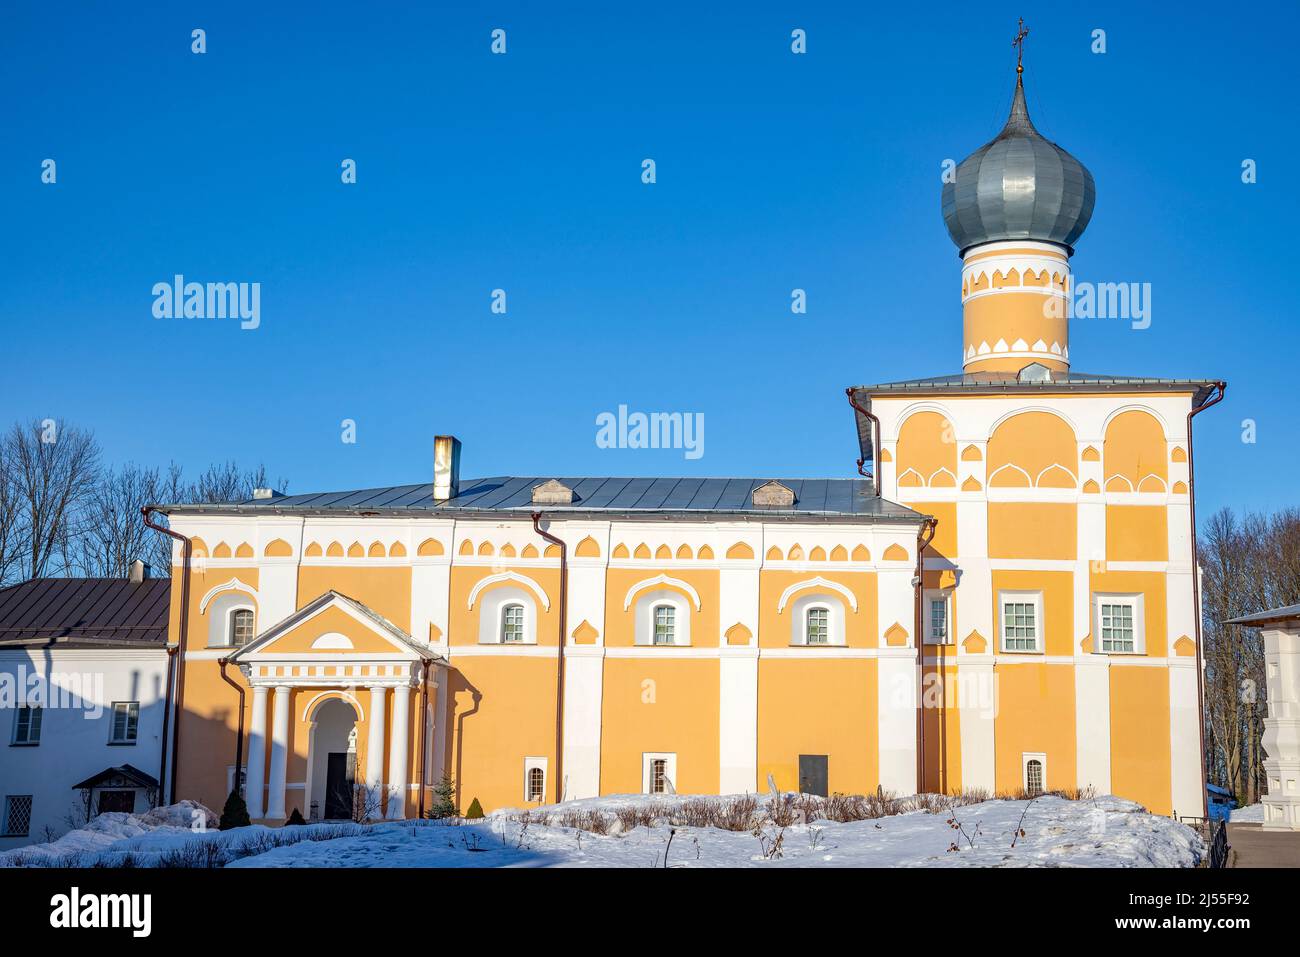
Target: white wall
{"x": 75, "y": 729}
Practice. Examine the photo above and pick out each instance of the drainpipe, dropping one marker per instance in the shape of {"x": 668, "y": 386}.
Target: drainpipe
{"x": 874, "y": 474}
{"x": 1213, "y": 399}
{"x": 924, "y": 536}
{"x": 424, "y": 729}
{"x": 167, "y": 710}
{"x": 239, "y": 736}
{"x": 182, "y": 645}
{"x": 559, "y": 661}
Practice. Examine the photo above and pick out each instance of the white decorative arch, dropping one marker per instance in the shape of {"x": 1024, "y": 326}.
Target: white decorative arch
{"x": 1035, "y": 408}
{"x": 310, "y": 706}
{"x": 1134, "y": 407}
{"x": 1055, "y": 465}
{"x": 914, "y": 408}
{"x": 817, "y": 582}
{"x": 1164, "y": 486}
{"x": 333, "y": 641}
{"x": 919, "y": 477}
{"x": 1029, "y": 479}
{"x": 661, "y": 580}
{"x": 233, "y": 585}
{"x": 1122, "y": 478}
{"x": 515, "y": 577}
{"x": 940, "y": 469}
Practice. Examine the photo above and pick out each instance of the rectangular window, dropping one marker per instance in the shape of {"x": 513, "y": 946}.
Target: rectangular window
{"x": 241, "y": 626}
{"x": 1034, "y": 773}
{"x": 819, "y": 632}
{"x": 1118, "y": 624}
{"x": 665, "y": 624}
{"x": 534, "y": 780}
{"x": 512, "y": 624}
{"x": 659, "y": 773}
{"x": 27, "y": 726}
{"x": 18, "y": 815}
{"x": 936, "y": 618}
{"x": 126, "y": 721}
{"x": 1021, "y": 621}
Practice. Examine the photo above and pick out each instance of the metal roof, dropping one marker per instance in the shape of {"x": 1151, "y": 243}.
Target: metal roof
{"x": 124, "y": 774}
{"x": 1019, "y": 185}
{"x": 608, "y": 497}
{"x": 1285, "y": 613}
{"x": 85, "y": 613}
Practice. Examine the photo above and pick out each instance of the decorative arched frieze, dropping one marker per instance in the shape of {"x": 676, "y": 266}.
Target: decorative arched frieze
{"x": 817, "y": 582}
{"x": 486, "y": 583}
{"x": 233, "y": 585}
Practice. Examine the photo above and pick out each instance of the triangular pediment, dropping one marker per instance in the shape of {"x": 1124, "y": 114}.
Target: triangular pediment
{"x": 331, "y": 626}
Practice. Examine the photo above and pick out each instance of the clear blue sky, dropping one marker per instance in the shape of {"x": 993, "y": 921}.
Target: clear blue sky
{"x": 522, "y": 172}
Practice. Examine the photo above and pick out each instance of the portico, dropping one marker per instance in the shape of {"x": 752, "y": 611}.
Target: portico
{"x": 336, "y": 681}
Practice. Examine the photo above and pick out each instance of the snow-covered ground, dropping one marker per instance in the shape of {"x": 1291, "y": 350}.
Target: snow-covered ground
{"x": 1254, "y": 814}
{"x": 1098, "y": 832}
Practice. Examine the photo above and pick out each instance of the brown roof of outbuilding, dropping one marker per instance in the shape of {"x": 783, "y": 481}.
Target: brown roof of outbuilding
{"x": 85, "y": 613}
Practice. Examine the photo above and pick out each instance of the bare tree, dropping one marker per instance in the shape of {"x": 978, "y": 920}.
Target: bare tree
{"x": 112, "y": 533}
{"x": 53, "y": 468}
{"x": 13, "y": 542}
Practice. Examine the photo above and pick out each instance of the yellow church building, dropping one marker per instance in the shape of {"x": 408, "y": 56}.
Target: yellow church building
{"x": 1005, "y": 600}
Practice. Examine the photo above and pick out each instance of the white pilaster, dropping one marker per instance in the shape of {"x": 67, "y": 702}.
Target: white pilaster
{"x": 399, "y": 739}
{"x": 977, "y": 706}
{"x": 1092, "y": 721}
{"x": 279, "y": 754}
{"x": 897, "y": 707}
{"x": 738, "y": 728}
{"x": 255, "y": 775}
{"x": 584, "y": 671}
{"x": 375, "y": 750}
{"x": 1186, "y": 787}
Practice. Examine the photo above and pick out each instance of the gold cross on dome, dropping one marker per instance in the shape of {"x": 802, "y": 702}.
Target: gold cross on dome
{"x": 1019, "y": 44}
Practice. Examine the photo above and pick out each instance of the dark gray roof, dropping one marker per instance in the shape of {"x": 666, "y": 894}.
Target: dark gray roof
{"x": 1000, "y": 383}
{"x": 1019, "y": 185}
{"x": 837, "y": 498}
{"x": 123, "y": 776}
{"x": 85, "y": 613}
{"x": 1285, "y": 613}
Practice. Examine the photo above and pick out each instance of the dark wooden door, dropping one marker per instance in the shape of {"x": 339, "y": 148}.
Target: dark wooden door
{"x": 812, "y": 774}
{"x": 338, "y": 785}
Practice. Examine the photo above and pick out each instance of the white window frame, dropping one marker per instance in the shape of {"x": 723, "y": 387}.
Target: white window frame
{"x": 644, "y": 612}
{"x": 1133, "y": 600}
{"x": 531, "y": 764}
{"x": 38, "y": 713}
{"x": 230, "y": 625}
{"x": 492, "y": 615}
{"x": 1025, "y": 758}
{"x": 670, "y": 770}
{"x": 5, "y": 830}
{"x": 807, "y": 629}
{"x": 654, "y": 623}
{"x": 113, "y": 739}
{"x": 834, "y": 608}
{"x": 944, "y": 595}
{"x": 523, "y": 622}
{"x": 1034, "y": 598}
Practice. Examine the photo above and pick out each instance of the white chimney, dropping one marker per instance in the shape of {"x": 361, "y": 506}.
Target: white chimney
{"x": 446, "y": 467}
{"x": 137, "y": 572}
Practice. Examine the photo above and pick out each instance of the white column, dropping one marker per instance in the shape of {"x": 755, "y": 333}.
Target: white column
{"x": 399, "y": 740}
{"x": 977, "y": 707}
{"x": 1281, "y": 738}
{"x": 255, "y": 775}
{"x": 738, "y": 720}
{"x": 897, "y": 720}
{"x": 279, "y": 754}
{"x": 375, "y": 751}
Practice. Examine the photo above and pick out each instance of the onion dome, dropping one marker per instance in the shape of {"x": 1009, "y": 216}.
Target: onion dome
{"x": 1018, "y": 186}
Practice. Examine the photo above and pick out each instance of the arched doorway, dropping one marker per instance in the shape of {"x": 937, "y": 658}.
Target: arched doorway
{"x": 333, "y": 760}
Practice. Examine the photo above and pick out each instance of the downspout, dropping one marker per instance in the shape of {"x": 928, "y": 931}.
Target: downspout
{"x": 239, "y": 736}
{"x": 182, "y": 645}
{"x": 1196, "y": 589}
{"x": 924, "y": 536}
{"x": 167, "y": 710}
{"x": 874, "y": 475}
{"x": 424, "y": 729}
{"x": 559, "y": 661}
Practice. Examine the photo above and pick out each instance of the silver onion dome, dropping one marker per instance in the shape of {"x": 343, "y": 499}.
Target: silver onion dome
{"x": 1018, "y": 186}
